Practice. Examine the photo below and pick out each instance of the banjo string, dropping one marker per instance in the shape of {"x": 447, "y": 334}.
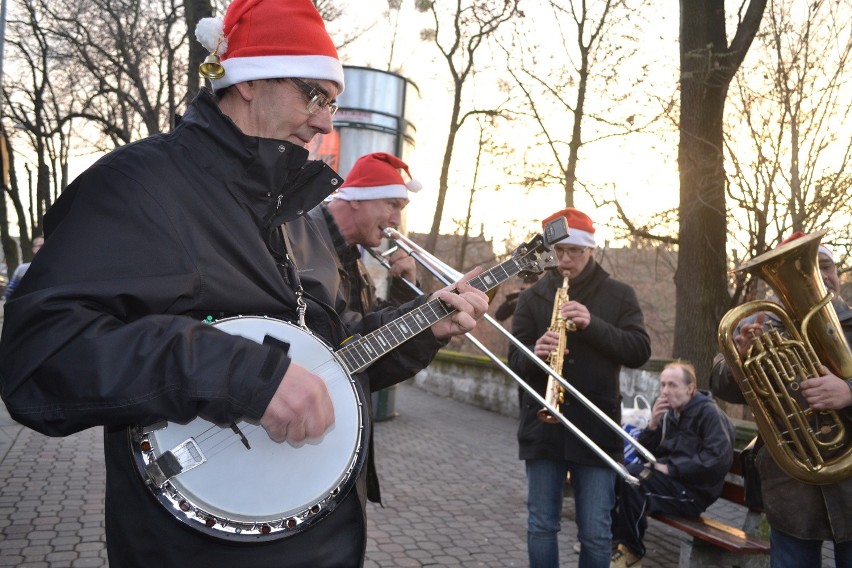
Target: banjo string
{"x": 215, "y": 440}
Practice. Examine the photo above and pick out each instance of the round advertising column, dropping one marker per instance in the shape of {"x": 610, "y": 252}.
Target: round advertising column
{"x": 371, "y": 117}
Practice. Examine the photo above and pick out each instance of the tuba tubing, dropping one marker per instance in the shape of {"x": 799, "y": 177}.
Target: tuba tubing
{"x": 810, "y": 446}
{"x": 444, "y": 273}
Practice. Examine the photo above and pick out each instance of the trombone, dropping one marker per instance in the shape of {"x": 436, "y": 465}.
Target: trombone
{"x": 447, "y": 275}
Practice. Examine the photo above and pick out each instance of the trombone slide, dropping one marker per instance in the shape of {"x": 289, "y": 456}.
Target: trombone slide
{"x": 447, "y": 274}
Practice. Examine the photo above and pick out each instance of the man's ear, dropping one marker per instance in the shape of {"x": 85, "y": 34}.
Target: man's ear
{"x": 245, "y": 89}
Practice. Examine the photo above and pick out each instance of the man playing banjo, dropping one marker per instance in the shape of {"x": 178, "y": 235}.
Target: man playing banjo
{"x": 114, "y": 324}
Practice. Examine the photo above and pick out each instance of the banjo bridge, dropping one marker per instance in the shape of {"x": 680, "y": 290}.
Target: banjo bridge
{"x": 186, "y": 456}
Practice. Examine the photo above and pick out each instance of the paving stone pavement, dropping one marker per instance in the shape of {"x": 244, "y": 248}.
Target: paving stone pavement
{"x": 452, "y": 485}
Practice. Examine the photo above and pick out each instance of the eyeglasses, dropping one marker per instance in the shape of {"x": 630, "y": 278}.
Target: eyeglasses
{"x": 573, "y": 252}
{"x": 317, "y": 99}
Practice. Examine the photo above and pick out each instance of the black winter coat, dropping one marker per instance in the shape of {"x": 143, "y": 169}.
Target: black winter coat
{"x": 616, "y": 336}
{"x": 357, "y": 293}
{"x": 697, "y": 446}
{"x": 106, "y": 329}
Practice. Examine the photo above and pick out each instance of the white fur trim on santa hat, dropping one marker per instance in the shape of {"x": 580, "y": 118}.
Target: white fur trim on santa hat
{"x": 822, "y": 249}
{"x": 239, "y": 69}
{"x": 579, "y": 238}
{"x": 351, "y": 193}
{"x": 210, "y": 33}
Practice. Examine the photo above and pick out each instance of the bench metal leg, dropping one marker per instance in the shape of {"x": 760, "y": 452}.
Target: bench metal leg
{"x": 699, "y": 554}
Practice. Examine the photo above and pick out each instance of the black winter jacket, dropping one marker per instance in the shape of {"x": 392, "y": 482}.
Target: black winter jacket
{"x": 697, "y": 446}
{"x": 616, "y": 336}
{"x": 106, "y": 329}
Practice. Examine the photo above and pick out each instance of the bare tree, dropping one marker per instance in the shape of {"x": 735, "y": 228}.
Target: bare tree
{"x": 471, "y": 23}
{"x": 708, "y": 64}
{"x": 86, "y": 73}
{"x": 195, "y": 10}
{"x": 793, "y": 106}
{"x": 10, "y": 190}
{"x": 37, "y": 116}
{"x": 394, "y": 7}
{"x": 594, "y": 41}
{"x": 486, "y": 146}
{"x": 130, "y": 55}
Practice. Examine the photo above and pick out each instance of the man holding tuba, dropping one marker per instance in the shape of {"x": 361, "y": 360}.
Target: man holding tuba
{"x": 606, "y": 331}
{"x": 801, "y": 515}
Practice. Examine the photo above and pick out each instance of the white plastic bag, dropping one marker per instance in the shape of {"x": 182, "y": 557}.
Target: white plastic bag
{"x": 634, "y": 420}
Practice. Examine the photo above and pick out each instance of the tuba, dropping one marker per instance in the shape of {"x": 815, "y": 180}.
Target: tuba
{"x": 554, "y": 394}
{"x": 810, "y": 445}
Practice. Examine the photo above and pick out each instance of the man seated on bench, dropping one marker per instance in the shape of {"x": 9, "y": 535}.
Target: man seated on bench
{"x": 693, "y": 441}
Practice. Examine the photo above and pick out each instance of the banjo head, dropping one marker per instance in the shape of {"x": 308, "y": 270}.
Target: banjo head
{"x": 234, "y": 482}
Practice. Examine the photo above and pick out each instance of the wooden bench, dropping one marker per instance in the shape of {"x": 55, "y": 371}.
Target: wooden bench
{"x": 714, "y": 543}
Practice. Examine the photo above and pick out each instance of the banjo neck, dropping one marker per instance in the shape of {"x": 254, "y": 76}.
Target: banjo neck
{"x": 359, "y": 353}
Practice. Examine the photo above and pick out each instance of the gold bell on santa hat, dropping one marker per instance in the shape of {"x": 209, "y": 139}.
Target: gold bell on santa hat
{"x": 211, "y": 68}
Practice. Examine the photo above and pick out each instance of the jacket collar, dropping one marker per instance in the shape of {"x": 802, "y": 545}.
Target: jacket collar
{"x": 273, "y": 177}
{"x": 582, "y": 287}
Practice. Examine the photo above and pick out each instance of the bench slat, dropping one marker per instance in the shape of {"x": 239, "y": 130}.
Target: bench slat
{"x": 719, "y": 534}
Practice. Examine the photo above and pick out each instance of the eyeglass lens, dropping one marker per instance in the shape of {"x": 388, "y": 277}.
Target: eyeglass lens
{"x": 318, "y": 100}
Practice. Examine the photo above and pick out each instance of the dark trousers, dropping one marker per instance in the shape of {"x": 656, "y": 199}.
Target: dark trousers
{"x": 657, "y": 493}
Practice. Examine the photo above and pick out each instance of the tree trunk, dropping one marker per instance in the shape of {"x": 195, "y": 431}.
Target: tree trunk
{"x": 9, "y": 246}
{"x": 194, "y": 11}
{"x": 707, "y": 68}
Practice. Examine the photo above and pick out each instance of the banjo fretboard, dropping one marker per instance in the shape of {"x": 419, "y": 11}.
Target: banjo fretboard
{"x": 362, "y": 352}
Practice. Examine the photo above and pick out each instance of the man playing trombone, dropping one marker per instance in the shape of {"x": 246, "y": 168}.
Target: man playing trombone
{"x": 606, "y": 331}
{"x": 371, "y": 199}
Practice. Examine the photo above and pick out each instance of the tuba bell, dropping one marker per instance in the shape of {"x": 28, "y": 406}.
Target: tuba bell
{"x": 810, "y": 445}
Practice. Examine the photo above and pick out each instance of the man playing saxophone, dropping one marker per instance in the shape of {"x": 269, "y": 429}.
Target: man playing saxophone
{"x": 801, "y": 515}
{"x": 607, "y": 331}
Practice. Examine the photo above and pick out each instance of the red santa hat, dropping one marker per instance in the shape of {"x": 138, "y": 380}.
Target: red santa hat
{"x": 822, "y": 249}
{"x": 581, "y": 230}
{"x": 376, "y": 176}
{"x": 268, "y": 39}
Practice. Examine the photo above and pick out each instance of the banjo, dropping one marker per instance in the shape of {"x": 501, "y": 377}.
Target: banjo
{"x": 235, "y": 483}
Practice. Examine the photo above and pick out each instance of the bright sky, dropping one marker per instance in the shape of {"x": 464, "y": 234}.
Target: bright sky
{"x": 644, "y": 178}
{"x": 640, "y": 169}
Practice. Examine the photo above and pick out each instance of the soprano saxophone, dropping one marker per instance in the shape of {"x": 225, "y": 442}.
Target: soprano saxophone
{"x": 555, "y": 394}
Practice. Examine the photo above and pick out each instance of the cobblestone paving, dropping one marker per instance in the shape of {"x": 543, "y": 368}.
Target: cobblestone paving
{"x": 453, "y": 492}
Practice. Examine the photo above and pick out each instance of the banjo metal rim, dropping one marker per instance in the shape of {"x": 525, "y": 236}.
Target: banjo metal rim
{"x": 184, "y": 510}
{"x": 197, "y": 517}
